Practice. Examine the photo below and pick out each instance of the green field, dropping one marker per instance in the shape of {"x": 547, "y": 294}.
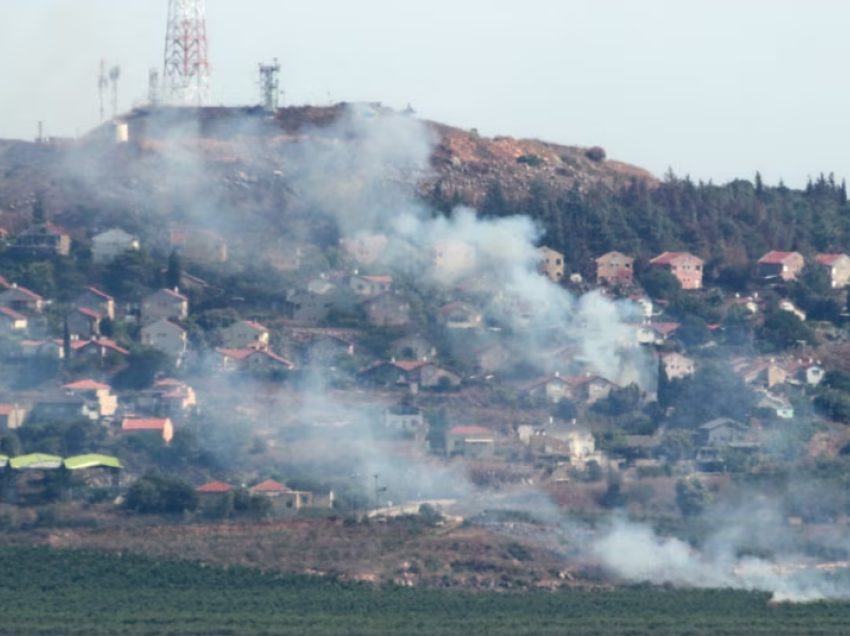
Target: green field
{"x": 48, "y": 592}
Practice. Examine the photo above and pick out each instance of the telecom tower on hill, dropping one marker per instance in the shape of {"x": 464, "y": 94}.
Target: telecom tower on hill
{"x": 186, "y": 73}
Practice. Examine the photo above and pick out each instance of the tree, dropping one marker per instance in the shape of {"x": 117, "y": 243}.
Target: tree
{"x": 143, "y": 364}
{"x": 784, "y": 330}
{"x": 155, "y": 494}
{"x": 691, "y": 497}
{"x": 677, "y": 444}
{"x": 39, "y": 211}
{"x": 174, "y": 273}
{"x": 660, "y": 283}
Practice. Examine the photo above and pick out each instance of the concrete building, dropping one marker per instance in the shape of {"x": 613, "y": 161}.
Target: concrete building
{"x": 551, "y": 263}
{"x": 781, "y": 265}
{"x": 165, "y": 304}
{"x": 109, "y": 245}
{"x": 686, "y": 267}
{"x": 243, "y": 334}
{"x": 838, "y": 268}
{"x": 167, "y": 337}
{"x": 614, "y": 268}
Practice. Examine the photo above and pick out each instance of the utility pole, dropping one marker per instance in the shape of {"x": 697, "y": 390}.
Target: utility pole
{"x": 102, "y": 85}
{"x": 270, "y": 85}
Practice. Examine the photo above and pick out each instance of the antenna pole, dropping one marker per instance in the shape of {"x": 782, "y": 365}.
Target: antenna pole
{"x": 186, "y": 70}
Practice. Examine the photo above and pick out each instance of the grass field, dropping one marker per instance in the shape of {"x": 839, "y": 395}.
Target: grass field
{"x": 47, "y": 591}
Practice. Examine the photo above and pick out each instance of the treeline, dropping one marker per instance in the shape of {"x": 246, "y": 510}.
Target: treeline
{"x": 79, "y": 592}
{"x": 730, "y": 226}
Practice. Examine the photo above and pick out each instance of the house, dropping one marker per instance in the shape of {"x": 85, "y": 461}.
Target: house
{"x": 404, "y": 417}
{"x": 167, "y": 337}
{"x": 169, "y": 397}
{"x": 364, "y": 248}
{"x": 308, "y": 306}
{"x": 550, "y": 263}
{"x": 723, "y": 432}
{"x": 110, "y": 244}
{"x": 654, "y": 333}
{"x": 589, "y": 388}
{"x": 327, "y": 349}
{"x": 11, "y": 321}
{"x": 21, "y": 300}
{"x": 97, "y": 347}
{"x": 615, "y": 268}
{"x": 252, "y": 359}
{"x": 159, "y": 425}
{"x": 554, "y": 388}
{"x": 198, "y": 244}
{"x": 576, "y": 445}
{"x": 97, "y": 301}
{"x": 413, "y": 347}
{"x": 369, "y": 285}
{"x": 62, "y": 406}
{"x": 411, "y": 373}
{"x": 676, "y": 365}
{"x": 779, "y": 406}
{"x": 387, "y": 310}
{"x": 96, "y": 393}
{"x": 243, "y": 334}
{"x": 289, "y": 498}
{"x": 165, "y": 304}
{"x": 459, "y": 315}
{"x": 784, "y": 265}
{"x": 686, "y": 267}
{"x": 214, "y": 488}
{"x": 44, "y": 239}
{"x": 84, "y": 323}
{"x": 838, "y": 268}
{"x": 11, "y": 416}
{"x": 191, "y": 285}
{"x": 473, "y": 442}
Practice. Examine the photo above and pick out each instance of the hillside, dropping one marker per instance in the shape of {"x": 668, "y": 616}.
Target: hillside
{"x": 242, "y": 171}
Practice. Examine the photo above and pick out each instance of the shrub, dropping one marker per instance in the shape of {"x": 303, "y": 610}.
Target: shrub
{"x": 597, "y": 154}
{"x": 530, "y": 160}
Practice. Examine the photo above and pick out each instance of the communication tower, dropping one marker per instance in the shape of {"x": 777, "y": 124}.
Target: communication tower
{"x": 114, "y": 76}
{"x": 270, "y": 85}
{"x": 102, "y": 85}
{"x": 153, "y": 87}
{"x": 186, "y": 73}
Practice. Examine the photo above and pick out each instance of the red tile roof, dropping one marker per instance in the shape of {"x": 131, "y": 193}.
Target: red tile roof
{"x": 5, "y": 283}
{"x": 12, "y": 313}
{"x": 173, "y": 293}
{"x": 168, "y": 382}
{"x": 6, "y": 409}
{"x": 775, "y": 258}
{"x": 408, "y": 365}
{"x": 668, "y": 258}
{"x": 26, "y": 292}
{"x": 97, "y": 292}
{"x": 664, "y": 328}
{"x": 214, "y": 487}
{"x": 828, "y": 259}
{"x": 106, "y": 343}
{"x": 255, "y": 325}
{"x": 86, "y": 385}
{"x": 144, "y": 424}
{"x": 90, "y": 313}
{"x": 270, "y": 485}
{"x": 470, "y": 430}
{"x": 382, "y": 280}
{"x": 445, "y": 309}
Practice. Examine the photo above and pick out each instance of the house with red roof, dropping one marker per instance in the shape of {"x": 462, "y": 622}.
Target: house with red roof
{"x": 165, "y": 304}
{"x": 838, "y": 268}
{"x": 473, "y": 442}
{"x": 784, "y": 265}
{"x": 215, "y": 488}
{"x": 12, "y": 321}
{"x": 22, "y": 300}
{"x": 97, "y": 347}
{"x": 97, "y": 301}
{"x": 252, "y": 359}
{"x": 43, "y": 238}
{"x": 97, "y": 393}
{"x": 159, "y": 425}
{"x": 84, "y": 322}
{"x": 244, "y": 334}
{"x": 686, "y": 267}
{"x": 369, "y": 285}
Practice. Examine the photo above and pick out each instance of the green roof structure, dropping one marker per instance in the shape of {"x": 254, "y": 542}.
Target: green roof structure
{"x": 81, "y": 462}
{"x": 36, "y": 461}
{"x": 4, "y": 461}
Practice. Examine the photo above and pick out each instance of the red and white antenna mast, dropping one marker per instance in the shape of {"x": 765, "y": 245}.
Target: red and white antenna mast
{"x": 186, "y": 75}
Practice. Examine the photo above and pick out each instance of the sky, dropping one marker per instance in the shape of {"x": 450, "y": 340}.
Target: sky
{"x": 713, "y": 89}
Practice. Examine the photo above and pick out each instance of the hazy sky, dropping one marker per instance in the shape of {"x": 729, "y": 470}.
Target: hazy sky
{"x": 715, "y": 89}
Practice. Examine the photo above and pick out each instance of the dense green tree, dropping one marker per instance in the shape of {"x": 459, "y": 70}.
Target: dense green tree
{"x": 783, "y": 330}
{"x": 174, "y": 273}
{"x": 143, "y": 364}
{"x": 692, "y": 497}
{"x": 155, "y": 494}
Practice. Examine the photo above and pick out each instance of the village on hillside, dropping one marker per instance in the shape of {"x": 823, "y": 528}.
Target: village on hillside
{"x": 181, "y": 376}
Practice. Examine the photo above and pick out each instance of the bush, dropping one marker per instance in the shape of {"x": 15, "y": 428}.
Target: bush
{"x": 597, "y": 154}
{"x": 530, "y": 160}
{"x": 154, "y": 494}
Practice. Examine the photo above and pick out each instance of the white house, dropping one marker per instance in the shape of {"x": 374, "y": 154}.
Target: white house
{"x": 108, "y": 245}
{"x": 164, "y": 304}
{"x": 243, "y": 334}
